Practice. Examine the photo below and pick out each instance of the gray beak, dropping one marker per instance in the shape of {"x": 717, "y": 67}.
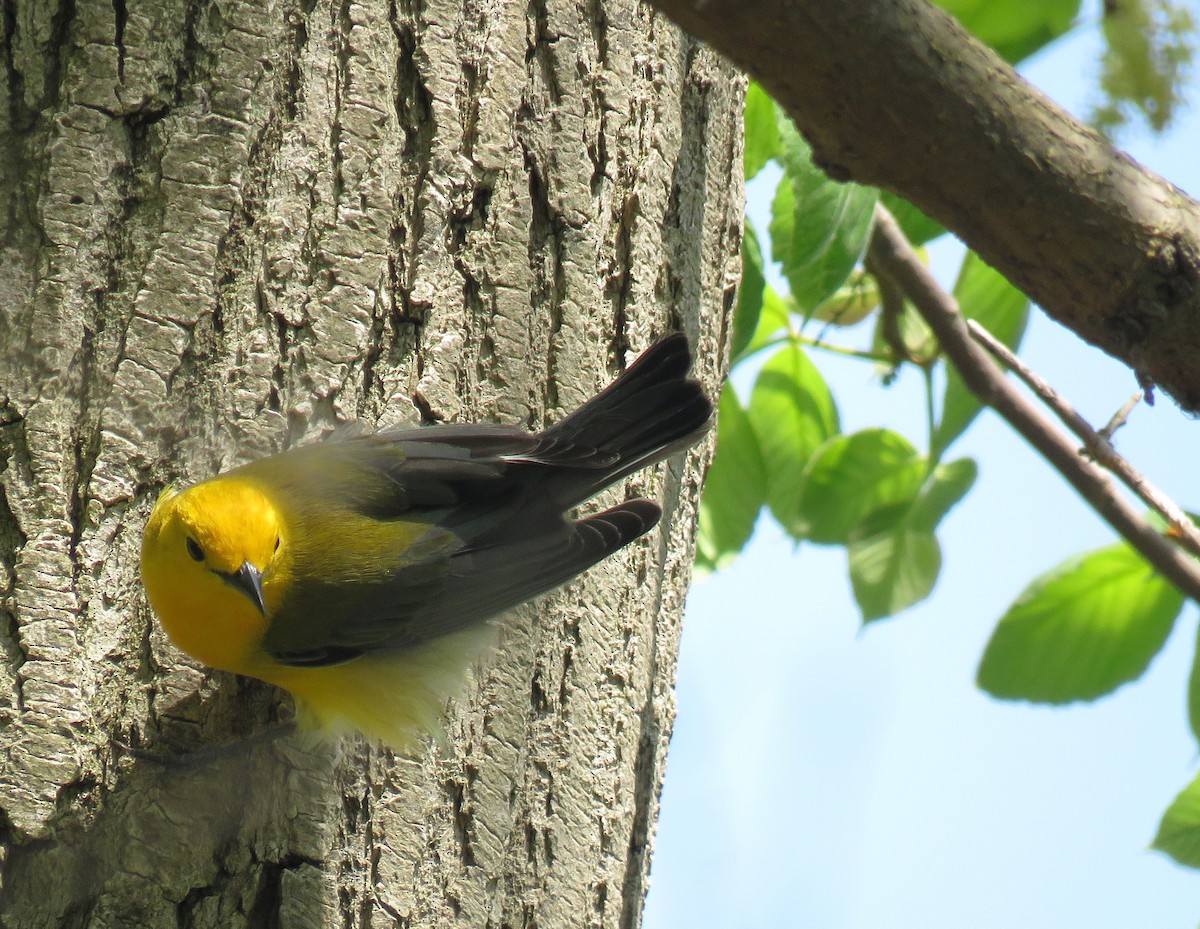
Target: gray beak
{"x": 248, "y": 580}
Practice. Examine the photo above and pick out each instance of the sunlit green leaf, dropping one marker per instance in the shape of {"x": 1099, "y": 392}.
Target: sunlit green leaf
{"x": 947, "y": 485}
{"x": 1014, "y": 28}
{"x": 894, "y": 556}
{"x": 1081, "y": 630}
{"x": 1179, "y": 830}
{"x": 1194, "y": 691}
{"x": 892, "y": 569}
{"x": 734, "y": 490}
{"x": 772, "y": 318}
{"x": 819, "y": 228}
{"x": 762, "y": 130}
{"x": 793, "y": 413}
{"x": 853, "y": 302}
{"x": 783, "y": 220}
{"x": 851, "y": 476}
{"x": 984, "y": 295}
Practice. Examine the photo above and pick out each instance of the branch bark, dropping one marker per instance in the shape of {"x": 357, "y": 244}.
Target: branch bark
{"x": 896, "y": 94}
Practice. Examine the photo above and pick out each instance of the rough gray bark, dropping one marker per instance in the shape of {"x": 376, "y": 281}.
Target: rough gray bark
{"x": 228, "y": 225}
{"x": 896, "y": 94}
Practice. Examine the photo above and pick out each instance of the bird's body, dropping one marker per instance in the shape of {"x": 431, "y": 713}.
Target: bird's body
{"x": 359, "y": 573}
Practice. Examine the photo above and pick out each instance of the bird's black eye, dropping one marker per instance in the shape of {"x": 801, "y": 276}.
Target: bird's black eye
{"x": 276, "y": 543}
{"x": 194, "y": 549}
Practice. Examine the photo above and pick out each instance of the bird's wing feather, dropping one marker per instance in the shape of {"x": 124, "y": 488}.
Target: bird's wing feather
{"x": 453, "y": 589}
{"x": 493, "y": 538}
{"x": 389, "y": 474}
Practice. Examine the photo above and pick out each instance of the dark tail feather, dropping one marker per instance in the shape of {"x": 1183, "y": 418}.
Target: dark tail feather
{"x": 648, "y": 413}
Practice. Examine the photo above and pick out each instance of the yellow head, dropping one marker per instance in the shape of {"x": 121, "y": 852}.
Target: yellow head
{"x": 211, "y": 561}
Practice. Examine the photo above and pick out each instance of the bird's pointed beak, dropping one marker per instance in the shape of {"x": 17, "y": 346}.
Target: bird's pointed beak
{"x": 248, "y": 580}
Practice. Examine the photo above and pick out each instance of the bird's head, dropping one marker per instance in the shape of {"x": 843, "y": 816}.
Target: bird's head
{"x": 210, "y": 565}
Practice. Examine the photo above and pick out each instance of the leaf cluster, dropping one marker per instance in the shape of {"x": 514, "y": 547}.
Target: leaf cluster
{"x": 1077, "y": 632}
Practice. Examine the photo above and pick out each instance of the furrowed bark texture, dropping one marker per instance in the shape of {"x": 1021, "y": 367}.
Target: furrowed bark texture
{"x": 896, "y": 94}
{"x": 229, "y": 225}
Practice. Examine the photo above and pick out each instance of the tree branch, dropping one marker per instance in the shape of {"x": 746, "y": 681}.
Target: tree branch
{"x": 895, "y": 93}
{"x": 892, "y": 254}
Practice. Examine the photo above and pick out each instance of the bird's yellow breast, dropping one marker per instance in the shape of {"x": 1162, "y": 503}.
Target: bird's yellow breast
{"x": 396, "y": 697}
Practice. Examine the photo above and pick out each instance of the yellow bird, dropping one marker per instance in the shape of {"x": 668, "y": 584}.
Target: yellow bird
{"x": 358, "y": 573}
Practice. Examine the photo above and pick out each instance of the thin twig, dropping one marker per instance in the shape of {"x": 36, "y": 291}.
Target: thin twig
{"x": 1097, "y": 446}
{"x": 843, "y": 350}
{"x": 894, "y": 256}
{"x": 891, "y": 309}
{"x": 1119, "y": 417}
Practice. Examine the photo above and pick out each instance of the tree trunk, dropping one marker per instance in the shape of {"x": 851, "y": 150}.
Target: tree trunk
{"x": 229, "y": 226}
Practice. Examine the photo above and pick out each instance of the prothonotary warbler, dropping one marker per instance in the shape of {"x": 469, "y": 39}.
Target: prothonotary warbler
{"x": 358, "y": 573}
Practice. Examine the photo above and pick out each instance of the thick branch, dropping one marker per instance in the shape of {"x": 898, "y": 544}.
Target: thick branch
{"x": 896, "y": 94}
{"x": 894, "y": 256}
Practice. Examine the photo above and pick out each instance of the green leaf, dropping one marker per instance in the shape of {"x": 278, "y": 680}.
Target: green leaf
{"x": 772, "y": 318}
{"x": 819, "y": 228}
{"x": 895, "y": 558}
{"x": 793, "y": 413}
{"x": 1081, "y": 630}
{"x": 750, "y": 294}
{"x": 1194, "y": 691}
{"x": 853, "y": 302}
{"x": 783, "y": 220}
{"x": 1150, "y": 47}
{"x": 947, "y": 485}
{"x": 1179, "y": 830}
{"x": 1014, "y": 28}
{"x": 893, "y": 569}
{"x": 984, "y": 295}
{"x": 852, "y": 476}
{"x": 734, "y": 490}
{"x": 762, "y": 130}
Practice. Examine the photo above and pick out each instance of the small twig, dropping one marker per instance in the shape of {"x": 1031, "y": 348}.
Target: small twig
{"x": 894, "y": 256}
{"x": 843, "y": 350}
{"x": 1096, "y": 445}
{"x": 891, "y": 308}
{"x": 1119, "y": 417}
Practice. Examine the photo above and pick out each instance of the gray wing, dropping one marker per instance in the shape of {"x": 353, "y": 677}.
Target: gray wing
{"x": 495, "y": 539}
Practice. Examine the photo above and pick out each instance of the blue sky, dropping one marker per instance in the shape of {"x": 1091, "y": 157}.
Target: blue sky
{"x": 830, "y": 777}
